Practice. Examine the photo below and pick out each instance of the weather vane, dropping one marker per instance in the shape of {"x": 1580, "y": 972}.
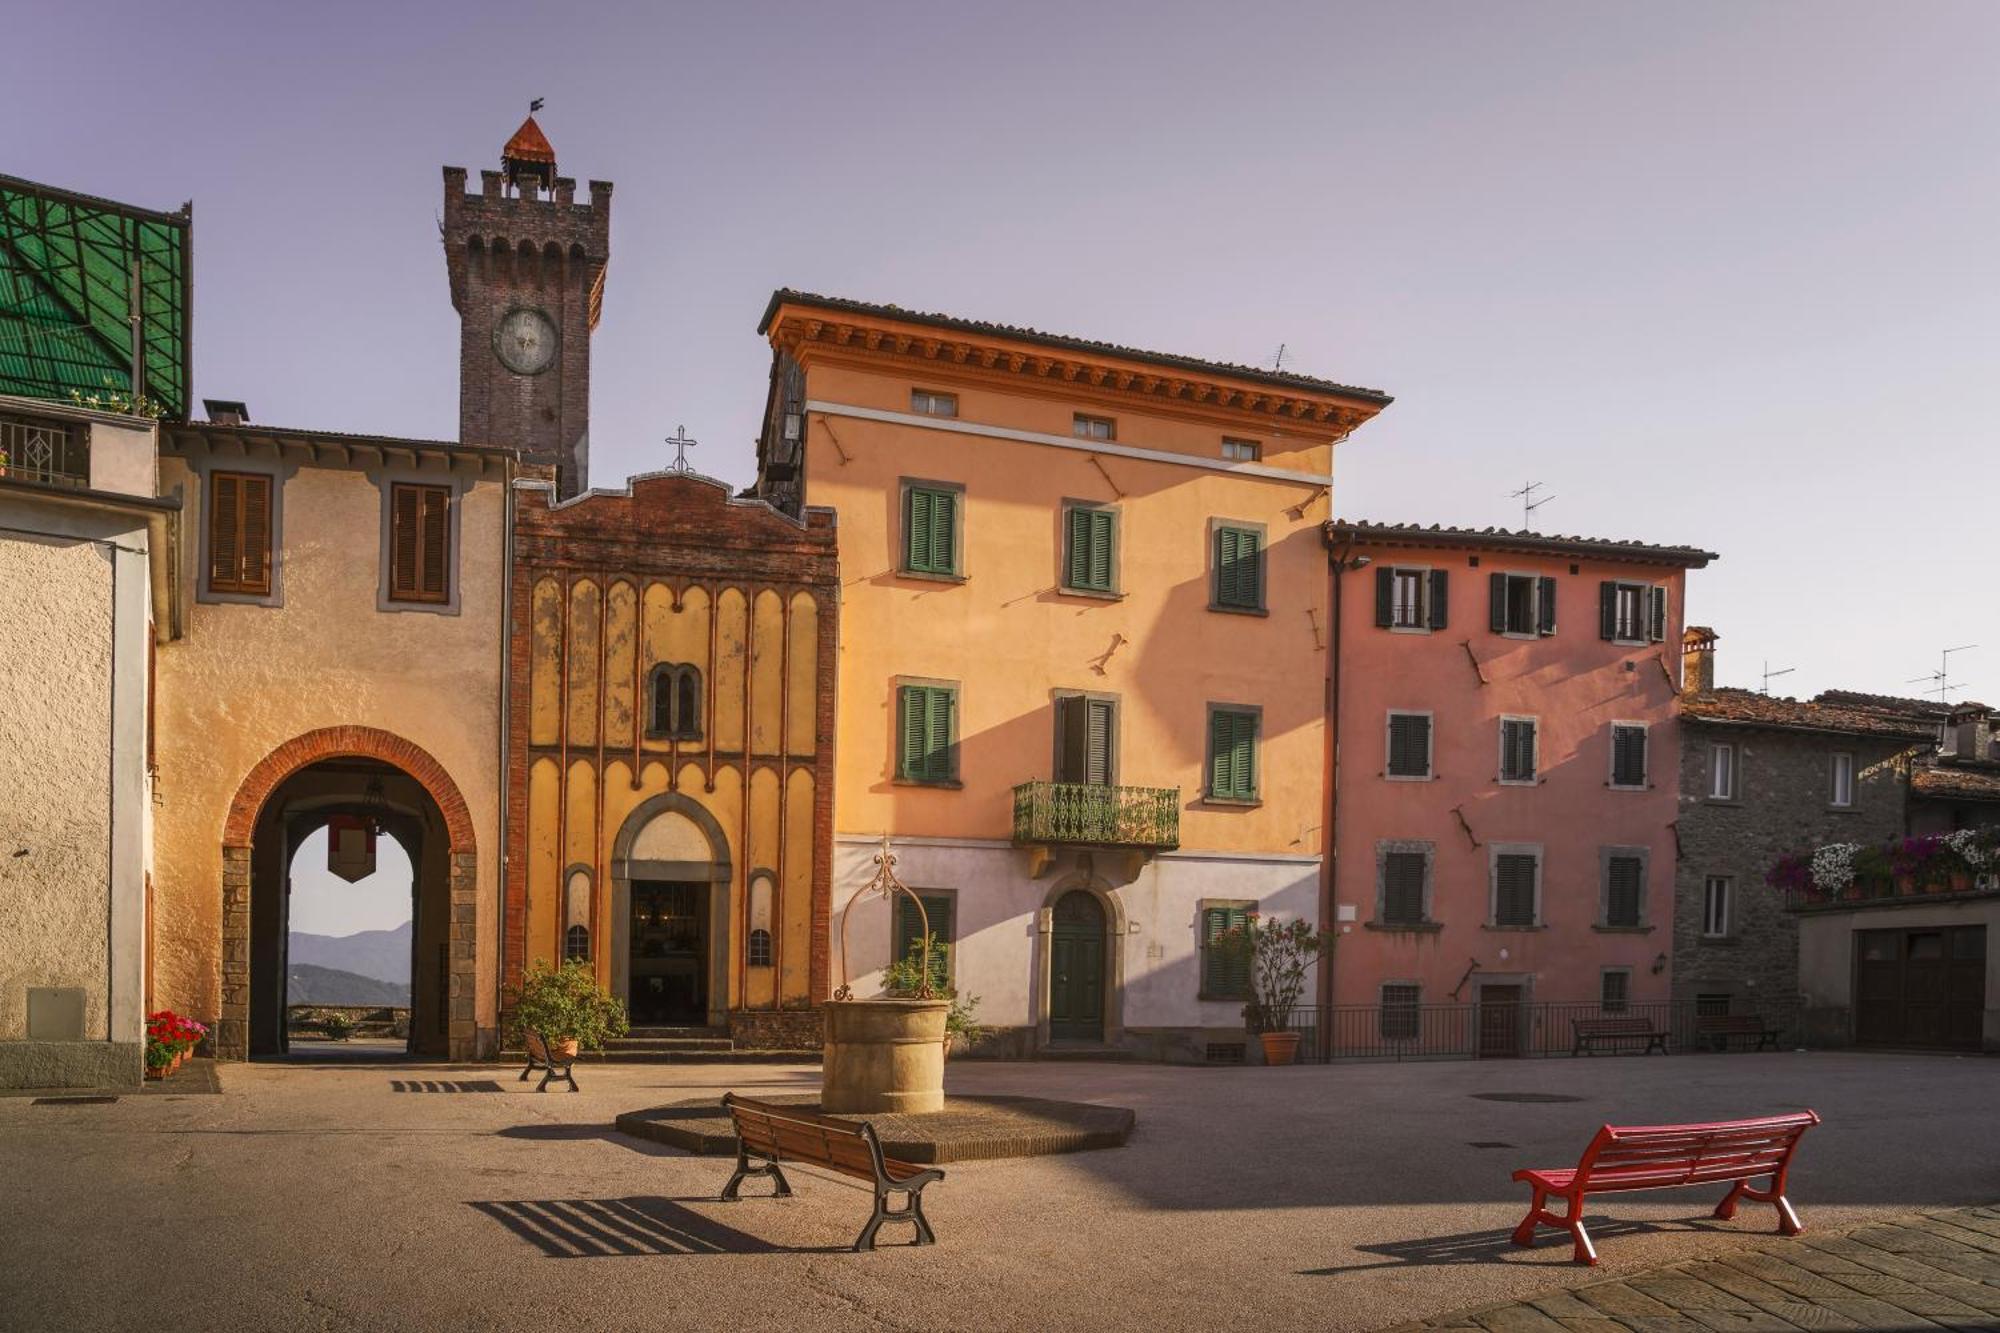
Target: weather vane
{"x": 534, "y": 106}
{"x": 681, "y": 442}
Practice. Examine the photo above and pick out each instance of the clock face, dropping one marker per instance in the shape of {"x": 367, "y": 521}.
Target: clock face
{"x": 525, "y": 341}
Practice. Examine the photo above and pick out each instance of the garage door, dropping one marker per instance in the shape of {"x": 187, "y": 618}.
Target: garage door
{"x": 1920, "y": 987}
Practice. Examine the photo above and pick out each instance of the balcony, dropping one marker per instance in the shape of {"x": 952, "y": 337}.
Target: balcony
{"x": 53, "y": 453}
{"x": 1879, "y": 892}
{"x": 1077, "y": 814}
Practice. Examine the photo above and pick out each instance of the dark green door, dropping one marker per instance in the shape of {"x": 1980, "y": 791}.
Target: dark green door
{"x": 1076, "y": 969}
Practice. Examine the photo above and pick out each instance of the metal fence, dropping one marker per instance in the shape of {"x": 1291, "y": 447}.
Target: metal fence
{"x": 1504, "y": 1031}
{"x": 1076, "y": 812}
{"x": 52, "y": 452}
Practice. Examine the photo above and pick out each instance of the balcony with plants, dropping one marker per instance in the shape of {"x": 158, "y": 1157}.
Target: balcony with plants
{"x": 1844, "y": 875}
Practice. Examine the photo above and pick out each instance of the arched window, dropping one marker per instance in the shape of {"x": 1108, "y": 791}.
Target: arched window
{"x": 760, "y": 948}
{"x": 576, "y": 944}
{"x": 675, "y": 707}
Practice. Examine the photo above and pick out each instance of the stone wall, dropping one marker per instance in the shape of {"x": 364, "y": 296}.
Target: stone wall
{"x": 777, "y": 1029}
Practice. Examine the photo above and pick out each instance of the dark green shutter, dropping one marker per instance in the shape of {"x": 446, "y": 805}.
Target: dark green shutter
{"x": 1656, "y": 619}
{"x": 1236, "y": 569}
{"x": 1225, "y": 974}
{"x": 1100, "y": 549}
{"x": 925, "y": 744}
{"x": 1072, "y": 746}
{"x": 910, "y": 711}
{"x": 1097, "y": 743}
{"x": 1628, "y": 757}
{"x": 1409, "y": 745}
{"x": 1496, "y": 602}
{"x": 1517, "y": 747}
{"x": 917, "y": 530}
{"x": 937, "y": 725}
{"x": 930, "y": 530}
{"x": 1514, "y": 896}
{"x": 1622, "y": 895}
{"x": 1232, "y": 761}
{"x": 1440, "y": 597}
{"x": 1403, "y": 888}
{"x": 1545, "y": 605}
{"x": 1607, "y": 610}
{"x": 1091, "y": 562}
{"x": 910, "y": 929}
{"x": 1385, "y": 597}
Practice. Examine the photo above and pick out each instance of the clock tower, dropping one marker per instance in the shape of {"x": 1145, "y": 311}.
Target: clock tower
{"x": 526, "y": 262}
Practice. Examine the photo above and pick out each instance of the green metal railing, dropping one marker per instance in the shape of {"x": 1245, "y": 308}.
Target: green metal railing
{"x": 1080, "y": 813}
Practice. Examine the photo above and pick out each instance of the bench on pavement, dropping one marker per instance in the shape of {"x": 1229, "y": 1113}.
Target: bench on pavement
{"x": 1653, "y": 1157}
{"x": 1615, "y": 1032}
{"x": 546, "y": 1055}
{"x": 771, "y": 1134}
{"x": 1718, "y": 1030}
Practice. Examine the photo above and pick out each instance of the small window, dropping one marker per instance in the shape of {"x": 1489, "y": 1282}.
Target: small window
{"x": 1624, "y": 890}
{"x": 1628, "y": 754}
{"x": 930, "y": 529}
{"x": 929, "y": 403}
{"x": 576, "y": 944}
{"x": 1721, "y": 772}
{"x": 1094, "y": 428}
{"x": 1241, "y": 451}
{"x": 1402, "y": 1011}
{"x": 419, "y": 543}
{"x": 1239, "y": 568}
{"x": 1522, "y": 604}
{"x": 1090, "y": 555}
{"x": 675, "y": 706}
{"x": 1232, "y": 754}
{"x": 1403, "y": 888}
{"x": 1715, "y": 906}
{"x": 1409, "y": 745}
{"x": 927, "y": 733}
{"x": 1086, "y": 740}
{"x": 758, "y": 952}
{"x": 1615, "y": 991}
{"x": 1514, "y": 876}
{"x": 1841, "y": 792}
{"x": 938, "y": 911}
{"x": 239, "y": 532}
{"x": 1710, "y": 1006}
{"x": 1632, "y": 612}
{"x": 1225, "y": 973}
{"x": 1519, "y": 747}
{"x": 1411, "y": 599}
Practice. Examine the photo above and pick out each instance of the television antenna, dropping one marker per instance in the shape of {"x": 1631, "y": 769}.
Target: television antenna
{"x": 1278, "y": 360}
{"x": 1529, "y": 504}
{"x": 1770, "y": 675}
{"x": 1940, "y": 680}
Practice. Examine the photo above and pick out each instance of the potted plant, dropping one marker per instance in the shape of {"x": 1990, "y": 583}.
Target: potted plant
{"x": 1279, "y": 954}
{"x": 566, "y": 1007}
{"x": 903, "y": 978}
{"x": 170, "y": 1042}
{"x": 336, "y": 1025}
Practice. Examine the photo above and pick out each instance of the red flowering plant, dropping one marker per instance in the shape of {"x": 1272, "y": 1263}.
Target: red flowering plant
{"x": 1793, "y": 874}
{"x": 168, "y": 1034}
{"x": 1923, "y": 860}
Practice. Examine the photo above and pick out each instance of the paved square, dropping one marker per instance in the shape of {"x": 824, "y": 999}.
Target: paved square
{"x": 1353, "y": 1197}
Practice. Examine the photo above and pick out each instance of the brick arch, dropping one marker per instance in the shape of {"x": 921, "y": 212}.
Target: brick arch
{"x": 347, "y": 743}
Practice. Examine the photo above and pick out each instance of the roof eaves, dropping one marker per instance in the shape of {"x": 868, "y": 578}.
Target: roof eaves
{"x": 1506, "y": 539}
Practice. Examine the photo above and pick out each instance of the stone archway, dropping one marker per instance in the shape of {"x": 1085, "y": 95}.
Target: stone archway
{"x": 232, "y": 1033}
{"x": 1114, "y": 956}
{"x": 671, "y": 837}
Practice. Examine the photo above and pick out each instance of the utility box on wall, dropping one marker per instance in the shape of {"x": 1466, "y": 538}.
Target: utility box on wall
{"x": 55, "y": 1013}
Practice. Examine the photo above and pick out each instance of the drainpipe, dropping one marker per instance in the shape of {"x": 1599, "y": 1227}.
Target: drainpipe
{"x": 1340, "y": 560}
{"x": 506, "y": 726}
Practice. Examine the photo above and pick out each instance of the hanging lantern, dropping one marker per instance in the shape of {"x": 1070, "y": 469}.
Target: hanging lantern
{"x": 350, "y": 847}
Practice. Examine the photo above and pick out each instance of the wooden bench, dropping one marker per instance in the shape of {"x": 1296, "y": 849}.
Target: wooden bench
{"x": 542, "y": 1054}
{"x": 1653, "y": 1157}
{"x": 1615, "y": 1032}
{"x": 773, "y": 1134}
{"x": 1720, "y": 1029}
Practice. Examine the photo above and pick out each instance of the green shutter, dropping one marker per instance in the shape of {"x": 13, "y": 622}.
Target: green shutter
{"x": 924, "y": 746}
{"x": 1236, "y": 569}
{"x": 930, "y": 531}
{"x": 910, "y": 929}
{"x": 1097, "y": 742}
{"x": 1545, "y": 606}
{"x": 1440, "y": 607}
{"x": 1092, "y": 561}
{"x": 937, "y": 724}
{"x": 1607, "y": 610}
{"x": 1232, "y": 754}
{"x": 1224, "y": 974}
{"x": 1385, "y": 596}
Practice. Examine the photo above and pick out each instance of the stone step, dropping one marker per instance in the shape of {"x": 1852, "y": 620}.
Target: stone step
{"x": 634, "y": 1045}
{"x": 673, "y": 1032}
{"x": 728, "y": 1055}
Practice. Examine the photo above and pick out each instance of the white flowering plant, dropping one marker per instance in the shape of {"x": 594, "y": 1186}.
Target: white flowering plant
{"x": 1833, "y": 867}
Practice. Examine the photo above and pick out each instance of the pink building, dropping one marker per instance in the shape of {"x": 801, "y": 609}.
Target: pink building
{"x": 1506, "y": 764}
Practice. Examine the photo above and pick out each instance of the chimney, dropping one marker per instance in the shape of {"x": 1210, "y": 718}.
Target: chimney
{"x": 225, "y": 412}
{"x": 1698, "y": 660}
{"x": 1962, "y": 731}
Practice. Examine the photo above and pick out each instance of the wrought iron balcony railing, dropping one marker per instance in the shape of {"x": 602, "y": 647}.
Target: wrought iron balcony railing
{"x": 1084, "y": 815}
{"x": 54, "y": 453}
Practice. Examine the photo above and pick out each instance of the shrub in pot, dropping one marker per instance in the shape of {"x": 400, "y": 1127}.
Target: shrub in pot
{"x": 566, "y": 1007}
{"x": 1278, "y": 954}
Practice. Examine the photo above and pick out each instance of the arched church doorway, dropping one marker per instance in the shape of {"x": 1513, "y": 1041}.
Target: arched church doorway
{"x": 670, "y": 915}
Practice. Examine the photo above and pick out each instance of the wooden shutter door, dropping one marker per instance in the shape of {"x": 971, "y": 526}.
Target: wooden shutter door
{"x": 434, "y": 544}
{"x": 225, "y": 530}
{"x": 1496, "y": 602}
{"x": 256, "y": 576}
{"x": 1656, "y": 617}
{"x": 1099, "y": 738}
{"x": 1100, "y": 548}
{"x": 1607, "y": 610}
{"x": 937, "y": 740}
{"x": 1079, "y": 548}
{"x": 1385, "y": 597}
{"x": 1071, "y": 748}
{"x": 910, "y": 705}
{"x": 944, "y": 533}
{"x": 1545, "y": 605}
{"x": 1440, "y": 607}
{"x": 1219, "y": 732}
{"x": 917, "y": 530}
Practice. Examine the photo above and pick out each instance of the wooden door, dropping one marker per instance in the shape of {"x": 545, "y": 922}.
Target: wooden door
{"x": 1076, "y": 969}
{"x": 1920, "y": 987}
{"x": 1500, "y": 1021}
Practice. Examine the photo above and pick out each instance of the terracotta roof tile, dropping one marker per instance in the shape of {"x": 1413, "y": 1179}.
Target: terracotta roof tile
{"x": 1945, "y": 781}
{"x": 529, "y": 144}
{"x": 1749, "y": 708}
{"x": 1509, "y": 539}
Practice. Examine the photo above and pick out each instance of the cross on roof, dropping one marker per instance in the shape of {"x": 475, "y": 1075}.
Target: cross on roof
{"x": 681, "y": 442}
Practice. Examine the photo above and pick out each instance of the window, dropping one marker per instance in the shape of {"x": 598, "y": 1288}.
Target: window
{"x": 1241, "y": 451}
{"x": 1624, "y": 890}
{"x": 239, "y": 532}
{"x": 1721, "y": 772}
{"x": 576, "y": 944}
{"x": 1521, "y": 603}
{"x": 758, "y": 953}
{"x": 1411, "y": 599}
{"x": 1225, "y": 973}
{"x": 1628, "y": 754}
{"x": 930, "y": 528}
{"x": 1515, "y": 876}
{"x": 1403, "y": 875}
{"x": 1841, "y": 792}
{"x": 1232, "y": 753}
{"x": 1519, "y": 743}
{"x": 1086, "y": 740}
{"x": 1090, "y": 555}
{"x": 1615, "y": 990}
{"x": 1239, "y": 568}
{"x": 419, "y": 543}
{"x": 1715, "y": 906}
{"x": 1409, "y": 745}
{"x": 1094, "y": 428}
{"x": 1402, "y": 1013}
{"x": 929, "y": 403}
{"x": 938, "y": 909}
{"x": 675, "y": 707}
{"x": 1632, "y": 612}
{"x": 927, "y": 733}
{"x": 1710, "y": 1006}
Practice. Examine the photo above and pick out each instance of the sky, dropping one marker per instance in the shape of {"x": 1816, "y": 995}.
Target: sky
{"x": 325, "y": 904}
{"x": 1721, "y": 274}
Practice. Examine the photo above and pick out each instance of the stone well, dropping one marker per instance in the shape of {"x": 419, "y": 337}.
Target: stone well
{"x": 884, "y": 1056}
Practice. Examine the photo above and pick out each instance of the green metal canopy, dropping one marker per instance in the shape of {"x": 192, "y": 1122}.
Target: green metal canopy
{"x": 69, "y": 267}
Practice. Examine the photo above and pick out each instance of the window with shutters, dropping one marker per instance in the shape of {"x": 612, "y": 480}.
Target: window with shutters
{"x": 1721, "y": 772}
{"x": 1522, "y": 604}
{"x": 1236, "y": 553}
{"x": 1090, "y": 547}
{"x": 1624, "y": 889}
{"x": 1405, "y": 871}
{"x": 1241, "y": 451}
{"x": 1402, "y": 1010}
{"x": 1087, "y": 739}
{"x": 1615, "y": 990}
{"x": 930, "y": 403}
{"x": 1232, "y": 752}
{"x": 1840, "y": 789}
{"x": 1093, "y": 428}
{"x": 932, "y": 527}
{"x": 1225, "y": 972}
{"x": 674, "y": 709}
{"x": 927, "y": 732}
{"x": 940, "y": 908}
{"x": 419, "y": 543}
{"x": 1628, "y": 755}
{"x": 240, "y": 527}
{"x": 1517, "y": 876}
{"x": 1409, "y": 753}
{"x": 1632, "y": 612}
{"x": 1520, "y": 750}
{"x": 1715, "y": 891}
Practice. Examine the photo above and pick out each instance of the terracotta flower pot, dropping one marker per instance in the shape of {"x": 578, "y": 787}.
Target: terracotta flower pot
{"x": 1280, "y": 1048}
{"x": 566, "y": 1049}
{"x": 156, "y": 1071}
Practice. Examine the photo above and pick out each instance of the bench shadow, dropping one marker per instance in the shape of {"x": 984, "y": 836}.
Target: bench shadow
{"x": 628, "y": 1227}
{"x": 1490, "y": 1247}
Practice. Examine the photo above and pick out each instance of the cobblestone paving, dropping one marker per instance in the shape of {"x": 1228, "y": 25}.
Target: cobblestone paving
{"x": 1931, "y": 1270}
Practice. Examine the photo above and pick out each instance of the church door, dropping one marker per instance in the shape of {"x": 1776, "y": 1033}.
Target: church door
{"x": 669, "y": 982}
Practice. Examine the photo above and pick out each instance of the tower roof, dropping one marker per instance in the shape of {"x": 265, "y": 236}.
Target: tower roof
{"x": 529, "y": 144}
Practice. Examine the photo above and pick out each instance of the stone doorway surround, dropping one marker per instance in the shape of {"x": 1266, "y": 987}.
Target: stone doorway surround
{"x": 1114, "y": 957}
{"x": 231, "y": 1040}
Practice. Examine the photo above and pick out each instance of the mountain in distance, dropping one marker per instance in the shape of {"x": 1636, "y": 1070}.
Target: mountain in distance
{"x": 307, "y": 983}
{"x": 380, "y": 955}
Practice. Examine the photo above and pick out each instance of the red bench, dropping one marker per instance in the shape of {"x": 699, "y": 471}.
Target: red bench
{"x": 1654, "y": 1157}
